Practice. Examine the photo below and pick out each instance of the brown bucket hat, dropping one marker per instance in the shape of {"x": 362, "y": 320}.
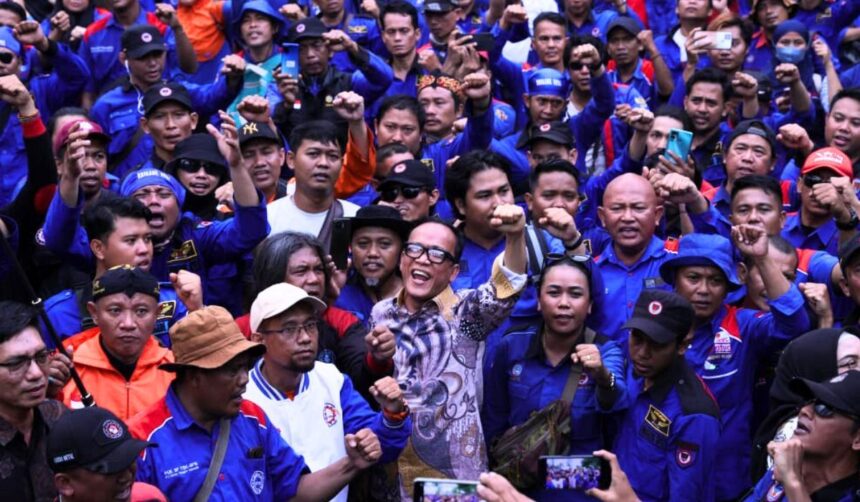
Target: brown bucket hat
{"x": 208, "y": 338}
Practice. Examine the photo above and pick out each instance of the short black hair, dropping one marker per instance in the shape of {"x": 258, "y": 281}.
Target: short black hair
{"x": 766, "y": 184}
{"x": 99, "y": 220}
{"x": 386, "y": 151}
{"x": 676, "y": 113}
{"x": 399, "y": 7}
{"x": 15, "y": 9}
{"x": 848, "y": 92}
{"x": 321, "y": 131}
{"x": 458, "y": 236}
{"x": 403, "y": 102}
{"x": 458, "y": 177}
{"x": 577, "y": 40}
{"x": 586, "y": 267}
{"x": 553, "y": 166}
{"x": 15, "y": 317}
{"x": 711, "y": 76}
{"x": 551, "y": 17}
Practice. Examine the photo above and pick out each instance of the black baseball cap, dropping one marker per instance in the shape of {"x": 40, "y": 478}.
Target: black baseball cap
{"x": 663, "y": 316}
{"x": 380, "y": 216}
{"x": 309, "y": 27}
{"x": 840, "y": 392}
{"x": 198, "y": 146}
{"x": 257, "y": 130}
{"x": 139, "y": 40}
{"x": 757, "y": 128}
{"x": 556, "y": 132}
{"x": 93, "y": 438}
{"x": 166, "y": 91}
{"x": 440, "y": 6}
{"x": 126, "y": 279}
{"x": 411, "y": 173}
{"x": 626, "y": 23}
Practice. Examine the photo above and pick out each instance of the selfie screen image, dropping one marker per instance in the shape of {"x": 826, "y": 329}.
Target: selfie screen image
{"x": 439, "y": 491}
{"x": 566, "y": 473}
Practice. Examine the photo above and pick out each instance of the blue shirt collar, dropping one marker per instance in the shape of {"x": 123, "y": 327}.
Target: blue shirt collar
{"x": 655, "y": 249}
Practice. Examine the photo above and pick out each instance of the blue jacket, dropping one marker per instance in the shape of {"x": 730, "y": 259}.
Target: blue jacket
{"x": 364, "y": 31}
{"x": 829, "y": 18}
{"x": 354, "y": 299}
{"x": 725, "y": 352}
{"x": 598, "y": 22}
{"x": 671, "y": 52}
{"x": 119, "y": 110}
{"x": 825, "y": 237}
{"x": 196, "y": 246}
{"x": 257, "y": 457}
{"x": 667, "y": 442}
{"x": 641, "y": 82}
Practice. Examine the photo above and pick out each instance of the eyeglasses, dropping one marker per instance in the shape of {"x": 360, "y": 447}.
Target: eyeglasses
{"x": 193, "y": 165}
{"x": 390, "y": 194}
{"x": 290, "y": 331}
{"x": 824, "y": 410}
{"x": 576, "y": 66}
{"x": 435, "y": 254}
{"x": 19, "y": 365}
{"x": 6, "y": 57}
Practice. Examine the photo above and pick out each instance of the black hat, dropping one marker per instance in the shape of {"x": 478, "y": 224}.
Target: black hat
{"x": 440, "y": 6}
{"x": 126, "y": 279}
{"x": 309, "y": 27}
{"x": 257, "y": 130}
{"x": 199, "y": 146}
{"x": 380, "y": 216}
{"x": 757, "y": 128}
{"x": 141, "y": 39}
{"x": 556, "y": 131}
{"x": 92, "y": 438}
{"x": 840, "y": 392}
{"x": 848, "y": 250}
{"x": 626, "y": 23}
{"x": 411, "y": 173}
{"x": 166, "y": 91}
{"x": 661, "y": 315}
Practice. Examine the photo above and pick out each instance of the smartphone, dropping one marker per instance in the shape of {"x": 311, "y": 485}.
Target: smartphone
{"x": 340, "y": 232}
{"x": 721, "y": 40}
{"x": 448, "y": 490}
{"x": 290, "y": 60}
{"x": 574, "y": 472}
{"x": 680, "y": 142}
{"x": 482, "y": 41}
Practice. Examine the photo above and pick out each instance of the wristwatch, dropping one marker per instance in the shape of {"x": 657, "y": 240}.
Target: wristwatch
{"x": 850, "y": 224}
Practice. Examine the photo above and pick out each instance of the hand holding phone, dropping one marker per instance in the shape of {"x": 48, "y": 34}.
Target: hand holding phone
{"x": 680, "y": 143}
{"x": 290, "y": 60}
{"x": 574, "y": 472}
{"x": 449, "y": 490}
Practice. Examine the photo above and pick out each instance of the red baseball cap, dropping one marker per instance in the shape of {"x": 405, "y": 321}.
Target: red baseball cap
{"x": 828, "y": 158}
{"x": 95, "y": 132}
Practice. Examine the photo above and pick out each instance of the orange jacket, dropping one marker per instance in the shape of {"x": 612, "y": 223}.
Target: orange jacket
{"x": 109, "y": 388}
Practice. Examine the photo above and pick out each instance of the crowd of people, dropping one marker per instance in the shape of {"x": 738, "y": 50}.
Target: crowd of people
{"x": 318, "y": 250}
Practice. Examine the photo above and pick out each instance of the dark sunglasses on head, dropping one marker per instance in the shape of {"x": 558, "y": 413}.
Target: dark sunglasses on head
{"x": 6, "y": 57}
{"x": 581, "y": 261}
{"x": 389, "y": 194}
{"x": 192, "y": 166}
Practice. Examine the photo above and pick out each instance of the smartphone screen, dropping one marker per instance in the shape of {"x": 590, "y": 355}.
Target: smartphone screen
{"x": 680, "y": 142}
{"x": 723, "y": 40}
{"x": 445, "y": 490}
{"x": 484, "y": 41}
{"x": 574, "y": 472}
{"x": 290, "y": 60}
{"x": 340, "y": 242}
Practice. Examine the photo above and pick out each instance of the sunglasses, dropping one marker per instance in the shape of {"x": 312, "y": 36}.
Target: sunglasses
{"x": 6, "y": 57}
{"x": 824, "y": 410}
{"x": 576, "y": 66}
{"x": 192, "y": 166}
{"x": 810, "y": 180}
{"x": 409, "y": 193}
{"x": 580, "y": 261}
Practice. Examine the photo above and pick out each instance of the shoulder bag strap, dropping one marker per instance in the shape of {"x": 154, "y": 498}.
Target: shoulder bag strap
{"x": 335, "y": 211}
{"x": 572, "y": 383}
{"x": 129, "y": 147}
{"x": 217, "y": 462}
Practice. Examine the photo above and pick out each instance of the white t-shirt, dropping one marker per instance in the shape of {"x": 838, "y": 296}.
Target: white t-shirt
{"x": 284, "y": 216}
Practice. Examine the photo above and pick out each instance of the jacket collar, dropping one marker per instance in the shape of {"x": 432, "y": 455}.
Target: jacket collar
{"x": 444, "y": 302}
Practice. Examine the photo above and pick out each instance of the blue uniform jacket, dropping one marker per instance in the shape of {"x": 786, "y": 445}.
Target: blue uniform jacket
{"x": 119, "y": 110}
{"x": 100, "y": 49}
{"x": 671, "y": 52}
{"x": 725, "y": 352}
{"x": 364, "y": 31}
{"x": 259, "y": 464}
{"x": 667, "y": 442}
{"x": 829, "y": 18}
{"x": 825, "y": 237}
{"x": 641, "y": 82}
{"x": 196, "y": 245}
{"x": 354, "y": 299}
{"x": 597, "y": 23}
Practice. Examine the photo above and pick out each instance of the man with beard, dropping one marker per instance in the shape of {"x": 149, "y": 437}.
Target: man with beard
{"x": 311, "y": 403}
{"x": 376, "y": 239}
{"x": 667, "y": 442}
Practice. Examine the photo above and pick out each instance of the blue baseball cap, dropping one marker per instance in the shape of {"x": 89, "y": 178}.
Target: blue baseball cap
{"x": 8, "y": 40}
{"x": 136, "y": 180}
{"x": 702, "y": 250}
{"x": 548, "y": 82}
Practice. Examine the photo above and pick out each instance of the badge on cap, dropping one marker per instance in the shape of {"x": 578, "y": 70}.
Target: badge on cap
{"x": 85, "y": 126}
{"x": 399, "y": 168}
{"x": 827, "y": 155}
{"x": 545, "y": 127}
{"x": 112, "y": 429}
{"x": 300, "y": 28}
{"x": 146, "y": 37}
{"x": 249, "y": 128}
{"x": 655, "y": 307}
{"x": 166, "y": 91}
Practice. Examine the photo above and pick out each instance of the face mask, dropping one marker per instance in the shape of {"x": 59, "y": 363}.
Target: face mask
{"x": 791, "y": 55}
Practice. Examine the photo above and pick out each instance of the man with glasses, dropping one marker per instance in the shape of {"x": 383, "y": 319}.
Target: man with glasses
{"x": 822, "y": 460}
{"x": 432, "y": 323}
{"x": 25, "y": 414}
{"x": 410, "y": 189}
{"x": 212, "y": 363}
{"x": 312, "y": 403}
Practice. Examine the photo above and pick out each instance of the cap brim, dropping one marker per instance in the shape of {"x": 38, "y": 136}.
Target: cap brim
{"x": 652, "y": 329}
{"x": 219, "y": 358}
{"x": 143, "y": 50}
{"x": 809, "y": 390}
{"x": 557, "y": 138}
{"x": 121, "y": 457}
{"x": 175, "y": 99}
{"x": 318, "y": 306}
{"x": 669, "y": 267}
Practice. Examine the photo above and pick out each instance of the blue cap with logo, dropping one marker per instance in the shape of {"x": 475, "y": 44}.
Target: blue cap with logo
{"x": 702, "y": 250}
{"x": 548, "y": 82}
{"x": 136, "y": 180}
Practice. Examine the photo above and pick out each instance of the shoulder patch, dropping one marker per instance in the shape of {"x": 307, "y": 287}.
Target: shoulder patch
{"x": 186, "y": 251}
{"x": 429, "y": 163}
{"x": 167, "y": 309}
{"x": 251, "y": 410}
